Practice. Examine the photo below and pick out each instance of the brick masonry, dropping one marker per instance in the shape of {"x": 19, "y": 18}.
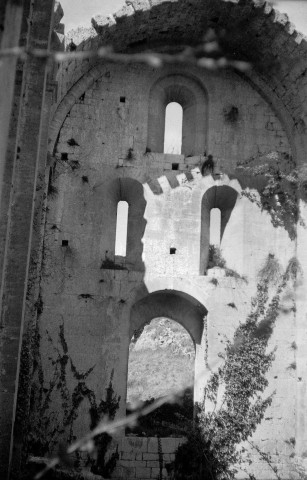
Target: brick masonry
{"x": 140, "y": 457}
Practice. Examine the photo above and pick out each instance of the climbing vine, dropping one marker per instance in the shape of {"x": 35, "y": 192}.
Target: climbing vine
{"x": 233, "y": 403}
{"x": 277, "y": 186}
{"x": 46, "y": 430}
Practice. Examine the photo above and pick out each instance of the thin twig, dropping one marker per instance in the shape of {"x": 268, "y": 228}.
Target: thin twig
{"x": 106, "y": 53}
{"x": 114, "y": 425}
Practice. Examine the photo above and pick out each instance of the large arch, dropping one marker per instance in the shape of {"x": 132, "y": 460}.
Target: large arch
{"x": 184, "y": 309}
{"x": 172, "y": 304}
{"x": 278, "y": 67}
{"x": 250, "y": 30}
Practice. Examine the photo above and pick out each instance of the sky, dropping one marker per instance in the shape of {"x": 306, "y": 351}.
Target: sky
{"x": 80, "y": 12}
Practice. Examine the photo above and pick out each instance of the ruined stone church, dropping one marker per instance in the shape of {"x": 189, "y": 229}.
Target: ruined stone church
{"x": 83, "y": 135}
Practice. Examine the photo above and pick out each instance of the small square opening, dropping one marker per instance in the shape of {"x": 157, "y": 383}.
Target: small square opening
{"x": 64, "y": 243}
{"x": 122, "y": 99}
{"x": 64, "y": 156}
{"x": 175, "y": 166}
{"x": 172, "y": 251}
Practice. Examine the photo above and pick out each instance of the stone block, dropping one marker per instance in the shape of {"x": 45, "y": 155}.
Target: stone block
{"x": 150, "y": 456}
{"x": 127, "y": 463}
{"x": 100, "y": 22}
{"x": 155, "y": 473}
{"x": 153, "y": 445}
{"x": 123, "y": 13}
{"x": 128, "y": 456}
{"x": 132, "y": 444}
{"x": 139, "y": 5}
{"x": 169, "y": 445}
{"x": 153, "y": 463}
{"x": 143, "y": 472}
{"x": 193, "y": 160}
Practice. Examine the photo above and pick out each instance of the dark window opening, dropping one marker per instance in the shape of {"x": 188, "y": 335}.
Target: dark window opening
{"x": 172, "y": 251}
{"x": 122, "y": 99}
{"x": 175, "y": 166}
{"x": 64, "y": 243}
{"x": 64, "y": 156}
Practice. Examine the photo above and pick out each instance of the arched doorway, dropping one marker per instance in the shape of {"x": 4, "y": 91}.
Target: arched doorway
{"x": 161, "y": 363}
{"x": 183, "y": 309}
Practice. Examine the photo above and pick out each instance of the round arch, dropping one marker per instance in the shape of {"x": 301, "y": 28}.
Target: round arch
{"x": 104, "y": 203}
{"x": 186, "y": 91}
{"x": 122, "y": 31}
{"x": 224, "y": 198}
{"x": 173, "y": 304}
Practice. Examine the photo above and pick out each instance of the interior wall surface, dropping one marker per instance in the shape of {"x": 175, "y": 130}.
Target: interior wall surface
{"x": 87, "y": 294}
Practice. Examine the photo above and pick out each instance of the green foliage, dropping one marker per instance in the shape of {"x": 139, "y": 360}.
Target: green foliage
{"x": 215, "y": 257}
{"x": 106, "y": 408}
{"x": 216, "y": 260}
{"x": 109, "y": 264}
{"x": 130, "y": 154}
{"x": 171, "y": 419}
{"x": 270, "y": 272}
{"x": 45, "y": 428}
{"x": 212, "y": 449}
{"x": 162, "y": 343}
{"x": 279, "y": 184}
{"x": 231, "y": 114}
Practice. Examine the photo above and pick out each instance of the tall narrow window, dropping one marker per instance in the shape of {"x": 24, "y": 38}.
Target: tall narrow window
{"x": 173, "y": 128}
{"x": 215, "y": 226}
{"x": 121, "y": 229}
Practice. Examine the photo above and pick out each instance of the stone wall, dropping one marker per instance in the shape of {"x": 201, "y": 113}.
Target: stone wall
{"x": 91, "y": 301}
{"x": 143, "y": 458}
{"x": 81, "y": 303}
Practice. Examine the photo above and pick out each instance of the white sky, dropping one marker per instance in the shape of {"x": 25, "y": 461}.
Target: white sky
{"x": 80, "y": 12}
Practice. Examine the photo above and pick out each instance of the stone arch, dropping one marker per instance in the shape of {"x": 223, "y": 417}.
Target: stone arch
{"x": 280, "y": 64}
{"x": 192, "y": 97}
{"x": 173, "y": 304}
{"x": 224, "y": 198}
{"x": 182, "y": 308}
{"x": 131, "y": 191}
{"x": 67, "y": 102}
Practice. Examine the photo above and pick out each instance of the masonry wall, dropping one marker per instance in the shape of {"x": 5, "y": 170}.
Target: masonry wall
{"x": 146, "y": 457}
{"x": 87, "y": 294}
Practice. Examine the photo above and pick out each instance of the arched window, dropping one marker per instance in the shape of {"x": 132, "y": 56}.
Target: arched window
{"x": 191, "y": 98}
{"x": 173, "y": 128}
{"x": 216, "y": 208}
{"x": 161, "y": 362}
{"x": 121, "y": 229}
{"x": 215, "y": 227}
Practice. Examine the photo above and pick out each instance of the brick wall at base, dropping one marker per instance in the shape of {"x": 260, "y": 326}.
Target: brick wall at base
{"x": 143, "y": 458}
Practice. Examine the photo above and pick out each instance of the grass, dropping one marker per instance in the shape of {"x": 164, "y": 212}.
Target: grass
{"x": 161, "y": 361}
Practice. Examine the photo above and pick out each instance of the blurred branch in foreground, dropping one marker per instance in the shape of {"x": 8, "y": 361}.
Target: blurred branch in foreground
{"x": 110, "y": 426}
{"x": 187, "y": 56}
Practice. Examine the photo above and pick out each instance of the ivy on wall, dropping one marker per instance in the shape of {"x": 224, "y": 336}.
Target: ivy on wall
{"x": 279, "y": 186}
{"x": 233, "y": 403}
{"x": 48, "y": 430}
